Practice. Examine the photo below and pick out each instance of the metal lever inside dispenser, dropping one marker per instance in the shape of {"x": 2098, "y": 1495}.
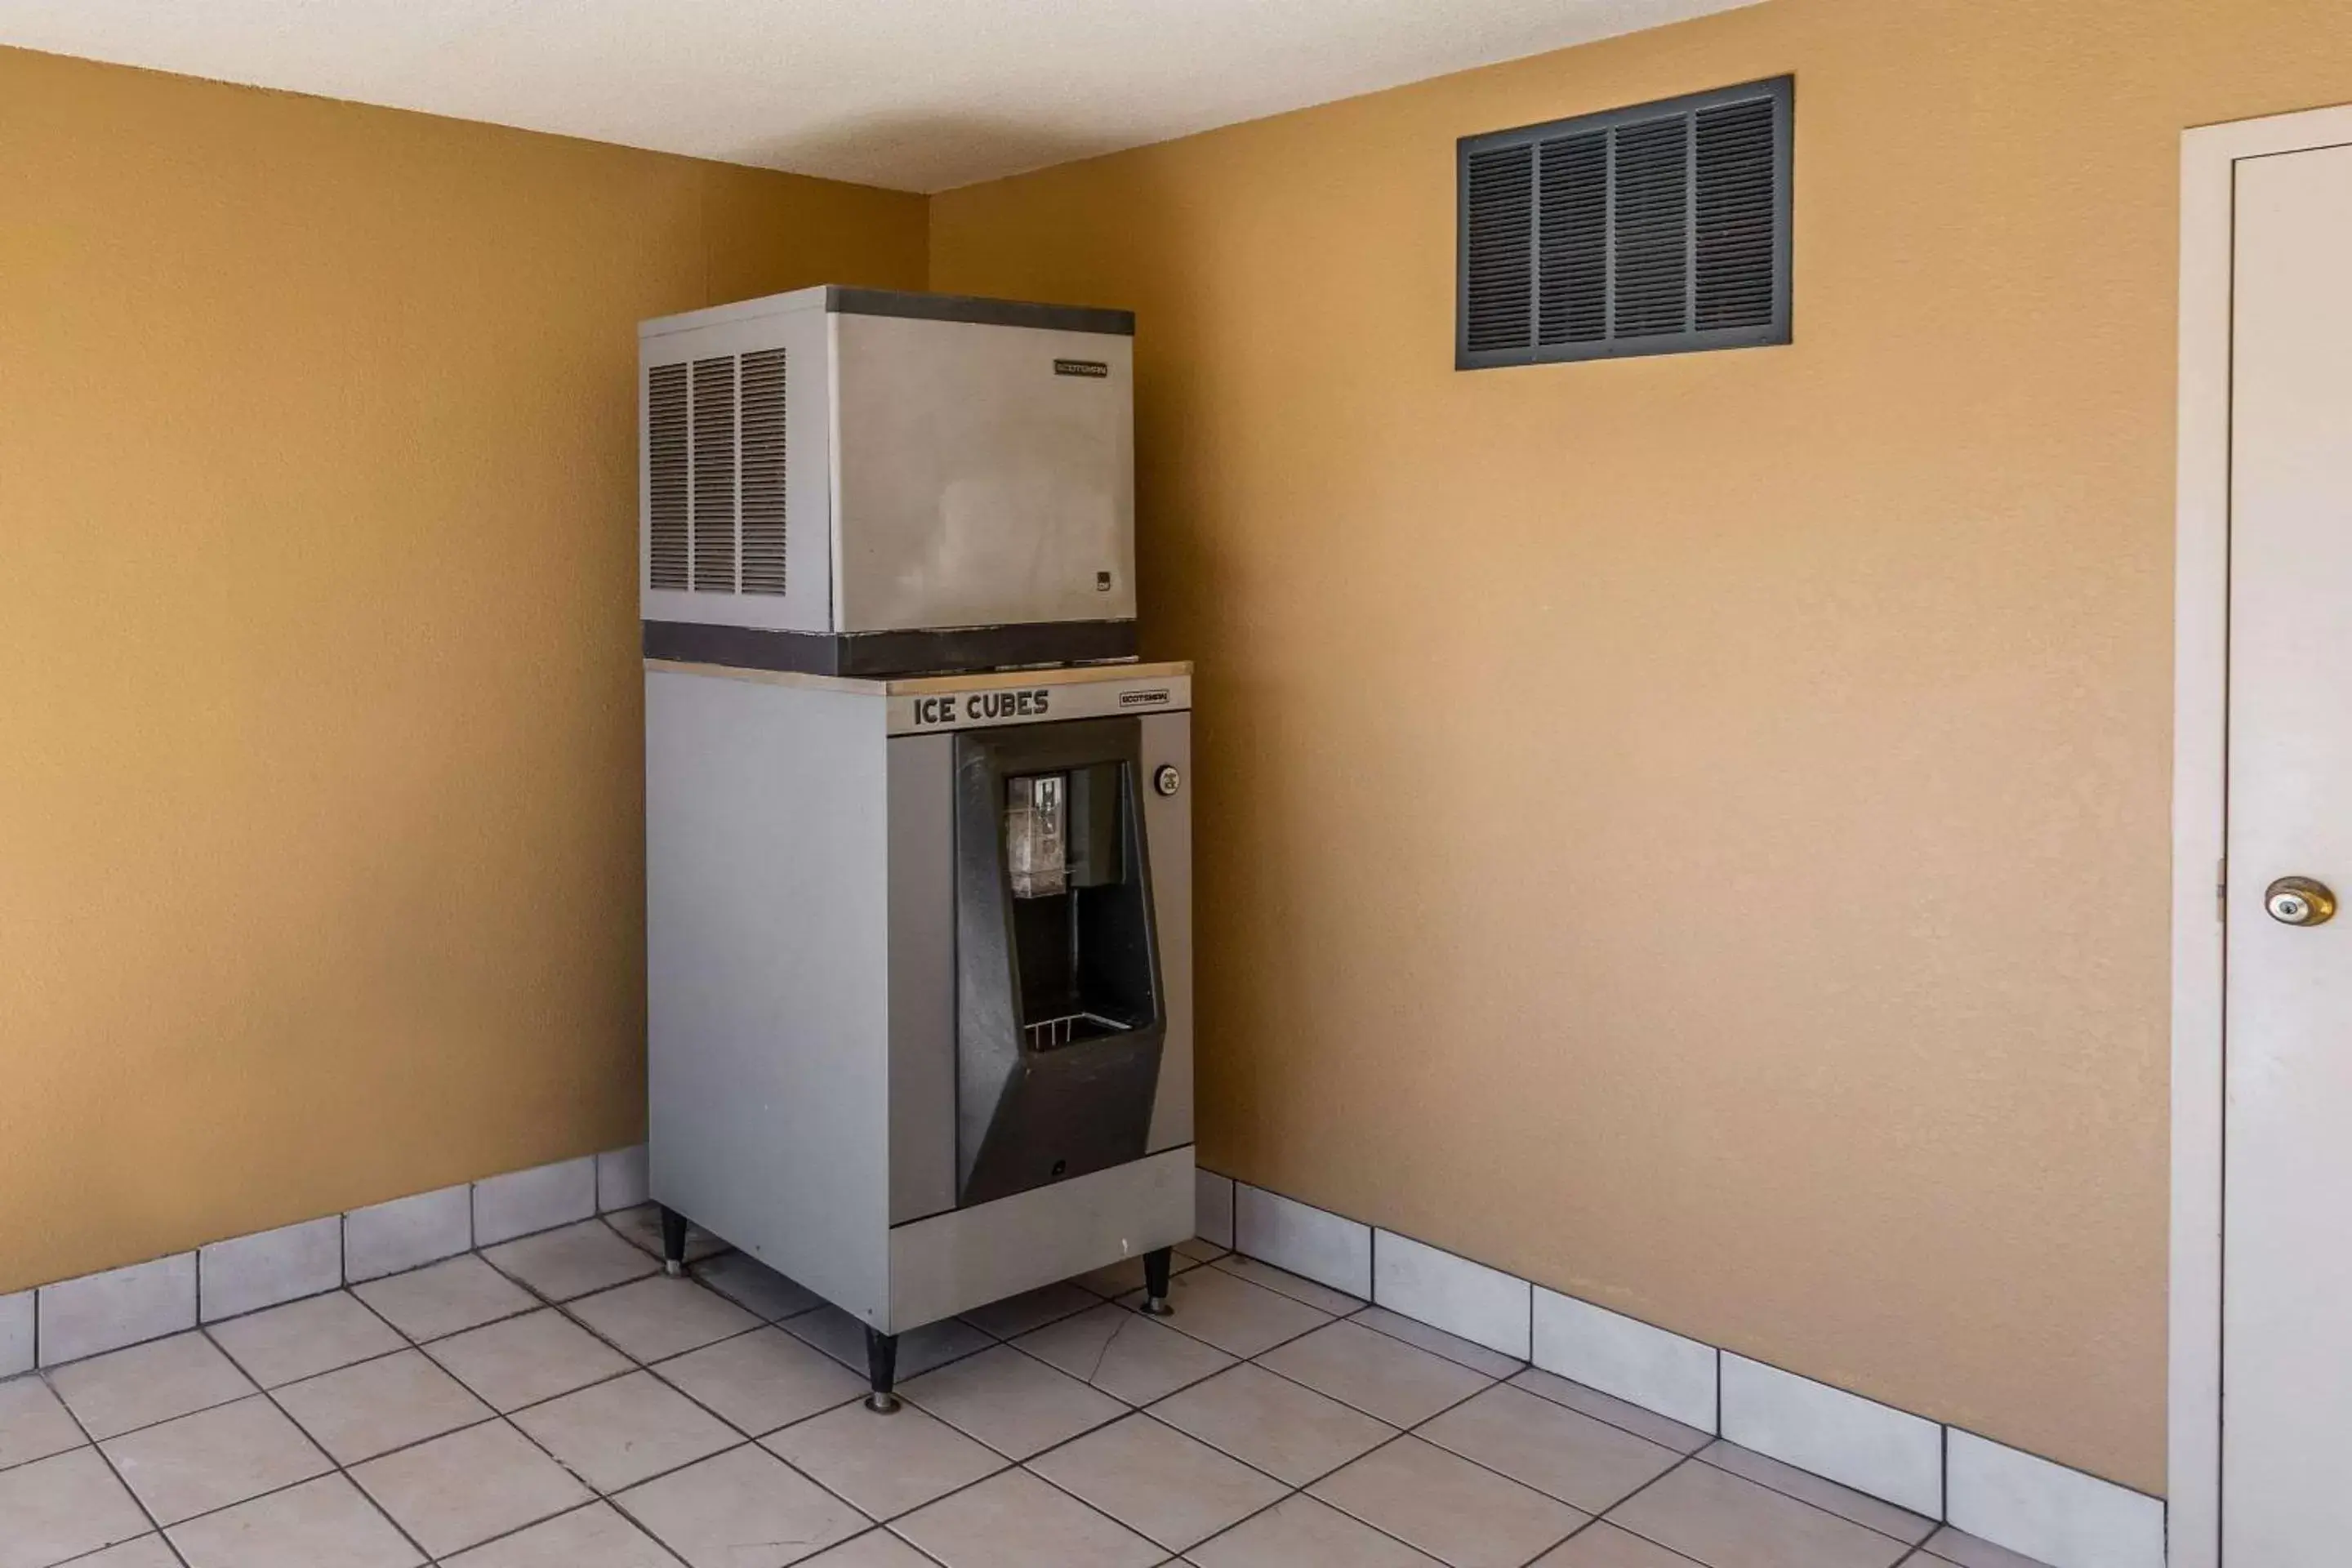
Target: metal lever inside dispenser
{"x": 1037, "y": 854}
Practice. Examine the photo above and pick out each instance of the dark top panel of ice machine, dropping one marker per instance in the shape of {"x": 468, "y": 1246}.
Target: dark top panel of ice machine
{"x": 987, "y": 312}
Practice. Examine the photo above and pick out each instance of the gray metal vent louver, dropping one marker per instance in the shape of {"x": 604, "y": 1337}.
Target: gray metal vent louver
{"x": 714, "y": 475}
{"x": 716, "y": 466}
{"x": 764, "y": 471}
{"x": 1662, "y": 228}
{"x": 666, "y": 460}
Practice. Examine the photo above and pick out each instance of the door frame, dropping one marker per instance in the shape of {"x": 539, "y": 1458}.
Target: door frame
{"x": 2209, "y": 159}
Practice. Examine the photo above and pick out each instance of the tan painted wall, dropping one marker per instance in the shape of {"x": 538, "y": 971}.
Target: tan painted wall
{"x": 320, "y": 856}
{"x": 1694, "y": 830}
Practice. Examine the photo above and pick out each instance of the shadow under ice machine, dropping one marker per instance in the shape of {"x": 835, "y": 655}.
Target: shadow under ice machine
{"x": 918, "y": 832}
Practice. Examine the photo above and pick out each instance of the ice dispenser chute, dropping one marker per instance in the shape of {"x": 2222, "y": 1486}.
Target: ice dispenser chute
{"x": 1059, "y": 1014}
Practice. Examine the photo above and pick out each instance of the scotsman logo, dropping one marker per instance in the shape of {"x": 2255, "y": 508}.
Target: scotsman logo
{"x": 1156, "y": 698}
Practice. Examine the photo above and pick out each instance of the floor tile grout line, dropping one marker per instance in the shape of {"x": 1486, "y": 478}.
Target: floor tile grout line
{"x": 1724, "y": 1469}
{"x": 1395, "y": 1431}
{"x": 562, "y": 1307}
{"x": 1700, "y": 1455}
{"x": 688, "y": 1396}
{"x": 1590, "y": 1517}
{"x": 1529, "y": 1388}
{"x": 255, "y": 1385}
{"x": 1089, "y": 1383}
{"x": 1681, "y": 1458}
{"x": 1914, "y": 1550}
{"x": 115, "y": 1471}
{"x": 597, "y": 1499}
{"x": 1604, "y": 1517}
{"x": 337, "y": 1467}
{"x": 758, "y": 1441}
{"x": 749, "y": 1440}
{"x": 89, "y": 1557}
{"x": 494, "y": 1415}
{"x": 1009, "y": 1463}
{"x": 1219, "y": 1264}
{"x": 595, "y": 1495}
{"x": 1173, "y": 1322}
{"x": 341, "y": 1471}
{"x": 1303, "y": 1488}
{"x": 636, "y": 1365}
{"x": 1610, "y": 1517}
{"x": 1391, "y": 1442}
{"x": 614, "y": 1498}
{"x": 1521, "y": 1366}
{"x": 495, "y": 1418}
{"x": 1597, "y": 1520}
{"x": 1289, "y": 1493}
{"x": 1022, "y": 1466}
{"x": 1356, "y": 1317}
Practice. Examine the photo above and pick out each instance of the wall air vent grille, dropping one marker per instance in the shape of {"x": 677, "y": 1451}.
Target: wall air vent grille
{"x": 666, "y": 462}
{"x": 1498, "y": 247}
{"x": 1662, "y": 228}
{"x": 762, "y": 472}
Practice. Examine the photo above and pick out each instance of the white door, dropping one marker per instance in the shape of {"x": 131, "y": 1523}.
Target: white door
{"x": 2287, "y": 1350}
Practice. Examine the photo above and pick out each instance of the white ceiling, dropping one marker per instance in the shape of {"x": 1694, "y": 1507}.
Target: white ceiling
{"x": 923, "y": 95}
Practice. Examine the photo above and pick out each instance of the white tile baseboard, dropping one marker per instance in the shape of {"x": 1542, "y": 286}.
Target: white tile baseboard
{"x": 1872, "y": 1448}
{"x": 16, "y": 1333}
{"x": 76, "y": 1317}
{"x": 540, "y": 1198}
{"x": 1213, "y": 1206}
{"x": 1469, "y": 1300}
{"x": 407, "y": 1232}
{"x": 68, "y": 1320}
{"x": 622, "y": 1179}
{"x": 2000, "y": 1494}
{"x": 1314, "y": 1244}
{"x": 247, "y": 1273}
{"x": 2043, "y": 1510}
{"x": 2014, "y": 1499}
{"x": 1635, "y": 1361}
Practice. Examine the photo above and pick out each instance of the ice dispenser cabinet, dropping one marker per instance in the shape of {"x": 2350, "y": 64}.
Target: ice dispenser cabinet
{"x": 1060, "y": 1018}
{"x": 919, "y": 905}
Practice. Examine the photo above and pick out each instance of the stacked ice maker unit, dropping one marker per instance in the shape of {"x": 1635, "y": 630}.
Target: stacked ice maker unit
{"x": 848, "y": 481}
{"x": 919, "y": 837}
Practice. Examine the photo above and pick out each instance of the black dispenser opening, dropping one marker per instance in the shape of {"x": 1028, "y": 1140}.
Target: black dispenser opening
{"x": 1080, "y": 938}
{"x": 1059, "y": 1017}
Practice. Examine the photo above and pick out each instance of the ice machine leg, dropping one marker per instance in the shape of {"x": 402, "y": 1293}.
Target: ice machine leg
{"x": 1156, "y": 1264}
{"x": 672, "y": 1241}
{"x": 881, "y": 1371}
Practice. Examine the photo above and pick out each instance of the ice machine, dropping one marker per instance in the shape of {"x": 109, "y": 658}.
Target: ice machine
{"x": 918, "y": 893}
{"x": 857, "y": 482}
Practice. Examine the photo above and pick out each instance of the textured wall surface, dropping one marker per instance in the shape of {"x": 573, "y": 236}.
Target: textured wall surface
{"x": 321, "y": 844}
{"x": 1694, "y": 830}
{"x": 1689, "y": 830}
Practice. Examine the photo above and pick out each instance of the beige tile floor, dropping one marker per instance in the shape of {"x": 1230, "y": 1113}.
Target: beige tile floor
{"x": 554, "y": 1402}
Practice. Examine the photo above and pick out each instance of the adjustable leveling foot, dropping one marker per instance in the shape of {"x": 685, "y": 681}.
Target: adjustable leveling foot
{"x": 1156, "y": 1266}
{"x": 881, "y": 1371}
{"x": 673, "y": 1242}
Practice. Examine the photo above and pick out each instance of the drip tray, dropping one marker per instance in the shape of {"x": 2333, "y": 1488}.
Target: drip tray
{"x": 1069, "y": 1030}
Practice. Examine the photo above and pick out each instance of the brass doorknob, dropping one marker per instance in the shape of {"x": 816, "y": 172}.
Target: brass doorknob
{"x": 2299, "y": 901}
